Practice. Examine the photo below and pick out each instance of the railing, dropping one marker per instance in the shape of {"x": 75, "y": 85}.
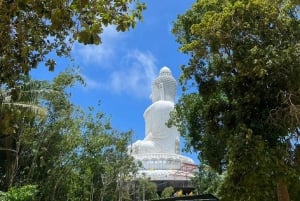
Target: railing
{"x": 204, "y": 197}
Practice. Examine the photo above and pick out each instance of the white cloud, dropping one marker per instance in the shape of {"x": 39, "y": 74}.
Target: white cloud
{"x": 133, "y": 76}
{"x": 136, "y": 74}
{"x": 94, "y": 54}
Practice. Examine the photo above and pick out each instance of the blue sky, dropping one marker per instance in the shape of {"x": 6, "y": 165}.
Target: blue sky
{"x": 119, "y": 72}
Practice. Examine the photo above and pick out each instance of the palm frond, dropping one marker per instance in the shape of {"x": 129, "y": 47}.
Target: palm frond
{"x": 38, "y": 110}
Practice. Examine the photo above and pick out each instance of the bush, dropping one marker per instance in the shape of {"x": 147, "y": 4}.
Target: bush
{"x": 23, "y": 193}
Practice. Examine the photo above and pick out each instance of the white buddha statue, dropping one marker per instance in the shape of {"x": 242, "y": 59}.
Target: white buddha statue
{"x": 159, "y": 151}
{"x": 158, "y": 137}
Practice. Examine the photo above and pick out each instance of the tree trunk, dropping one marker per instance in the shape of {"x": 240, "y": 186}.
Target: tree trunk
{"x": 10, "y": 163}
{"x": 297, "y": 156}
{"x": 282, "y": 191}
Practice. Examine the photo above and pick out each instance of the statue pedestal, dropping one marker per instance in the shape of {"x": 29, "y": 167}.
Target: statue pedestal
{"x": 160, "y": 166}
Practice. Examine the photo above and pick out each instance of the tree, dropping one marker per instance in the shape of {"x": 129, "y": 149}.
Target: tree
{"x": 240, "y": 106}
{"x": 207, "y": 180}
{"x": 167, "y": 192}
{"x": 19, "y": 108}
{"x": 81, "y": 145}
{"x": 65, "y": 140}
{"x": 104, "y": 167}
{"x": 30, "y": 30}
{"x": 28, "y": 135}
{"x": 50, "y": 147}
{"x": 146, "y": 189}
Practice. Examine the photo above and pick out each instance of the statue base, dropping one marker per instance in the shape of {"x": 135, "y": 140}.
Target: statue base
{"x": 160, "y": 166}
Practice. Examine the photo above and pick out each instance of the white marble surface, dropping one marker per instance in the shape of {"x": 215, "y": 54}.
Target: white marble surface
{"x": 159, "y": 151}
{"x": 158, "y": 137}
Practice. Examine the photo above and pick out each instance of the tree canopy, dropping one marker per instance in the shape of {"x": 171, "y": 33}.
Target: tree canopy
{"x": 65, "y": 152}
{"x": 240, "y": 106}
{"x": 50, "y": 149}
{"x": 31, "y": 29}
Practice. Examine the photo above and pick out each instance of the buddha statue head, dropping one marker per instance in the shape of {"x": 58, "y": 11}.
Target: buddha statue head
{"x": 164, "y": 86}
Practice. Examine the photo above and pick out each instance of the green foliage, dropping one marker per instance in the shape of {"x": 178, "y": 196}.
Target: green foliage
{"x": 241, "y": 99}
{"x": 84, "y": 147}
{"x": 19, "y": 109}
{"x": 146, "y": 190}
{"x": 207, "y": 180}
{"x": 24, "y": 193}
{"x": 167, "y": 192}
{"x": 31, "y": 29}
{"x": 68, "y": 153}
